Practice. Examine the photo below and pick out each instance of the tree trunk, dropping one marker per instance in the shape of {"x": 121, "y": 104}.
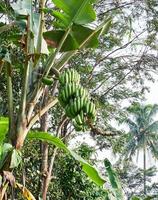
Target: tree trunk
{"x": 144, "y": 162}
{"x": 44, "y": 148}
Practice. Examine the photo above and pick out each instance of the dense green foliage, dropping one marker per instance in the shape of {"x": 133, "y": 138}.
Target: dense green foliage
{"x": 113, "y": 46}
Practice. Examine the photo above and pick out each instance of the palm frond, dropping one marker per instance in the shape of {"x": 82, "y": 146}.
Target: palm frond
{"x": 130, "y": 148}
{"x": 153, "y": 112}
{"x": 154, "y": 149}
{"x": 152, "y": 128}
{"x": 134, "y": 129}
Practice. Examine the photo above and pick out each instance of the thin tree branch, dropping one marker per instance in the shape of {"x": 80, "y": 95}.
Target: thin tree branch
{"x": 44, "y": 145}
{"x": 115, "y": 8}
{"x": 101, "y": 84}
{"x": 50, "y": 104}
{"x": 40, "y": 33}
{"x": 49, "y": 177}
{"x": 112, "y": 52}
{"x": 111, "y": 88}
{"x": 33, "y": 103}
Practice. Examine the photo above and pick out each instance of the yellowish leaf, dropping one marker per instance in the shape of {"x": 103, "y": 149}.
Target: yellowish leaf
{"x": 25, "y": 192}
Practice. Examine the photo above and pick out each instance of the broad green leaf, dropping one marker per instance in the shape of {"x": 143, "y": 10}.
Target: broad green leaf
{"x": 23, "y": 7}
{"x": 4, "y": 149}
{"x": 87, "y": 168}
{"x": 47, "y": 137}
{"x": 116, "y": 186}
{"x": 36, "y": 29}
{"x": 15, "y": 159}
{"x": 76, "y": 37}
{"x": 4, "y": 122}
{"x": 77, "y": 11}
{"x": 62, "y": 17}
{"x": 66, "y": 56}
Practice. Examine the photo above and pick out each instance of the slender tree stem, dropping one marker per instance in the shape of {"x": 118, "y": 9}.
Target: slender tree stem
{"x": 40, "y": 34}
{"x": 144, "y": 163}
{"x": 49, "y": 174}
{"x": 10, "y": 99}
{"x": 44, "y": 146}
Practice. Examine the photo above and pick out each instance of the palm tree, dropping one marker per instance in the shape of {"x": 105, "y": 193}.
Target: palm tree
{"x": 143, "y": 133}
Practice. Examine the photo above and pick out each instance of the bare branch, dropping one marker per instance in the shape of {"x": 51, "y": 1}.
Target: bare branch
{"x": 50, "y": 104}
{"x": 112, "y": 52}
{"x": 118, "y": 7}
{"x": 111, "y": 88}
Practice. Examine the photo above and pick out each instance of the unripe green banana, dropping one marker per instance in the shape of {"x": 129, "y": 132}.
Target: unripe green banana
{"x": 75, "y": 106}
{"x": 79, "y": 120}
{"x": 69, "y": 76}
{"x": 81, "y": 102}
{"x": 78, "y": 104}
{"x": 69, "y": 88}
{"x": 66, "y": 78}
{"x": 81, "y": 91}
{"x": 77, "y": 126}
{"x": 87, "y": 106}
{"x": 73, "y": 88}
{"x": 93, "y": 110}
{"x": 72, "y": 109}
{"x": 66, "y": 92}
{"x": 72, "y": 75}
{"x": 90, "y": 108}
{"x": 63, "y": 95}
{"x": 85, "y": 101}
{"x": 82, "y": 116}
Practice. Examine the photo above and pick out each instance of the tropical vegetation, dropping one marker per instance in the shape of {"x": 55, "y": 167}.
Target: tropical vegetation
{"x": 74, "y": 78}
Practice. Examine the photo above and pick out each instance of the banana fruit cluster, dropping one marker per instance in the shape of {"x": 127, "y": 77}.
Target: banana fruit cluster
{"x": 75, "y": 100}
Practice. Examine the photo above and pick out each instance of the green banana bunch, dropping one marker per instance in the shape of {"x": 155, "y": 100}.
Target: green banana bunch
{"x": 75, "y": 100}
{"x": 69, "y": 76}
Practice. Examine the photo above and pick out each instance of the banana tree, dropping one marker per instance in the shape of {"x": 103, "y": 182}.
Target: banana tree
{"x": 45, "y": 54}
